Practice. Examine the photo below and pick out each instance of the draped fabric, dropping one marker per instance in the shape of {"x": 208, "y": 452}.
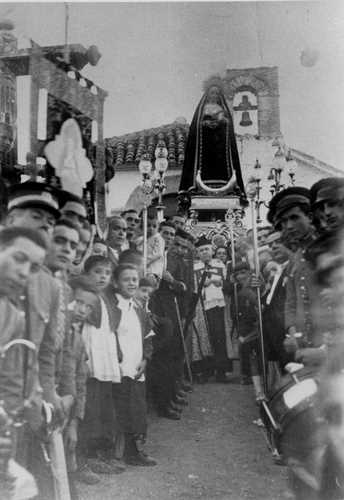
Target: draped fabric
{"x": 212, "y": 150}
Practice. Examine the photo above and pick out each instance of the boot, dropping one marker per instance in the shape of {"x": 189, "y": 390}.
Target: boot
{"x": 134, "y": 454}
{"x": 180, "y": 400}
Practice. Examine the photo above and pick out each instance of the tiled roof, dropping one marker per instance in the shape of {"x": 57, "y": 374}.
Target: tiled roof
{"x": 127, "y": 149}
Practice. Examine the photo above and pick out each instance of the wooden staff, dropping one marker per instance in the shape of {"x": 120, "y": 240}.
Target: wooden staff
{"x": 256, "y": 266}
{"x": 235, "y": 290}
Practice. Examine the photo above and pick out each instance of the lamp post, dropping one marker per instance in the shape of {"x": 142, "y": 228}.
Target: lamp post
{"x": 161, "y": 165}
{"x": 291, "y": 168}
{"x": 252, "y": 194}
{"x": 257, "y": 179}
{"x": 279, "y": 164}
{"x": 145, "y": 168}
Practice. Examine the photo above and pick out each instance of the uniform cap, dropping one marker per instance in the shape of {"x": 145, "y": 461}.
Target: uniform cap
{"x": 286, "y": 199}
{"x": 34, "y": 195}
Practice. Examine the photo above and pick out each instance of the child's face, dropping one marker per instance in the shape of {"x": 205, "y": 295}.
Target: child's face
{"x": 242, "y": 277}
{"x": 152, "y": 227}
{"x": 99, "y": 249}
{"x": 143, "y": 293}
{"x": 84, "y": 304}
{"x": 205, "y": 253}
{"x": 127, "y": 283}
{"x": 100, "y": 275}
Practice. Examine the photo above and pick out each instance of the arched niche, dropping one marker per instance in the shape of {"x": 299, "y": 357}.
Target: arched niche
{"x": 245, "y": 111}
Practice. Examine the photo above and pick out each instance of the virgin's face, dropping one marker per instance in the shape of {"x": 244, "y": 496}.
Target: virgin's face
{"x": 213, "y": 95}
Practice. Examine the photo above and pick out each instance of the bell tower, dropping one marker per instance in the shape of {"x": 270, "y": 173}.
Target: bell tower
{"x": 252, "y": 95}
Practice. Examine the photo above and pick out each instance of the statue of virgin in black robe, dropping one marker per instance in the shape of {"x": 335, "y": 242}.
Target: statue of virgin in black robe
{"x": 211, "y": 149}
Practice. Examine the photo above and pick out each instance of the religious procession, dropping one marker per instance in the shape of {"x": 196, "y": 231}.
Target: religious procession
{"x": 152, "y": 278}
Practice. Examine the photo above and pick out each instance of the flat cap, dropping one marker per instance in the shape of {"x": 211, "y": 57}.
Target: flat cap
{"x": 330, "y": 188}
{"x": 286, "y": 199}
{"x": 34, "y": 195}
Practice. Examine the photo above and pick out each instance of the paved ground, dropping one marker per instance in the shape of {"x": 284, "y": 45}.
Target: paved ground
{"x": 213, "y": 453}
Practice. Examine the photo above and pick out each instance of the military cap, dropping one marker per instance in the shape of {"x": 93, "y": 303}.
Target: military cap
{"x": 241, "y": 266}
{"x": 202, "y": 241}
{"x": 330, "y": 188}
{"x": 286, "y": 199}
{"x": 34, "y": 195}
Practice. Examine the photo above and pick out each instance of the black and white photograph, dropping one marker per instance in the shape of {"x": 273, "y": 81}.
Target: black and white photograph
{"x": 172, "y": 250}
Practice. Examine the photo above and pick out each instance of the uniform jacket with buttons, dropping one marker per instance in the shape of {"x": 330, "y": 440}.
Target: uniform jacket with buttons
{"x": 42, "y": 309}
{"x": 11, "y": 366}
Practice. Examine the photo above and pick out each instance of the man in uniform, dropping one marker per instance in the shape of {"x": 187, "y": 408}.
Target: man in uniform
{"x": 22, "y": 252}
{"x": 36, "y": 206}
{"x": 290, "y": 212}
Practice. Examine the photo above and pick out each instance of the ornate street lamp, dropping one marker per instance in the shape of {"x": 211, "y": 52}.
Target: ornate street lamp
{"x": 291, "y": 168}
{"x": 279, "y": 165}
{"x": 145, "y": 168}
{"x": 161, "y": 165}
{"x": 256, "y": 181}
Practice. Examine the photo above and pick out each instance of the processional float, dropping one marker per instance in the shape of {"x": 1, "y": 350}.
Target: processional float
{"x": 211, "y": 183}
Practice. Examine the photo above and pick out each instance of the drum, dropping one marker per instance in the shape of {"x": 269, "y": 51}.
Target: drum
{"x": 291, "y": 404}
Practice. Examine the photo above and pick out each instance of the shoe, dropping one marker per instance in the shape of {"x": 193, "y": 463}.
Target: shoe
{"x": 140, "y": 459}
{"x": 99, "y": 466}
{"x": 174, "y": 406}
{"x": 85, "y": 475}
{"x": 277, "y": 458}
{"x": 186, "y": 387}
{"x": 116, "y": 465}
{"x": 181, "y": 393}
{"x": 180, "y": 400}
{"x": 171, "y": 414}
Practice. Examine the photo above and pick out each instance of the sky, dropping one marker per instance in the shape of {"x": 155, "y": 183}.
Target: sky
{"x": 155, "y": 57}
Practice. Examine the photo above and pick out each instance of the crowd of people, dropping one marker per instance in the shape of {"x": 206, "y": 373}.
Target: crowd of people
{"x": 115, "y": 337}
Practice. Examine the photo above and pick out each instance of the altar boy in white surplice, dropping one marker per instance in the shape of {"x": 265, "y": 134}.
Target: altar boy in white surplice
{"x": 134, "y": 333}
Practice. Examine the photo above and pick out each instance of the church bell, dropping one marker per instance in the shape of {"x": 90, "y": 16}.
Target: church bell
{"x": 245, "y": 119}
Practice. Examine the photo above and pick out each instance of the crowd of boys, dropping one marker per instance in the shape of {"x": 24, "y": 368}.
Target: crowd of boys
{"x": 114, "y": 336}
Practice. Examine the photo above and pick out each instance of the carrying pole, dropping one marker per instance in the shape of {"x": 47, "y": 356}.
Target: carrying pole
{"x": 181, "y": 332}
{"x": 259, "y": 303}
{"x": 235, "y": 290}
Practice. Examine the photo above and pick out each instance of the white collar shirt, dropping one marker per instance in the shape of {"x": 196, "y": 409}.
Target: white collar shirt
{"x": 130, "y": 338}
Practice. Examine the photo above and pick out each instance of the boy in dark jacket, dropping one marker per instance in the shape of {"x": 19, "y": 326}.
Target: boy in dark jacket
{"x": 134, "y": 333}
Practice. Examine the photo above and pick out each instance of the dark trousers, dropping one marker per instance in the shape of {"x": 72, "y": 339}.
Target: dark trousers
{"x": 250, "y": 363}
{"x": 161, "y": 380}
{"x": 217, "y": 337}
